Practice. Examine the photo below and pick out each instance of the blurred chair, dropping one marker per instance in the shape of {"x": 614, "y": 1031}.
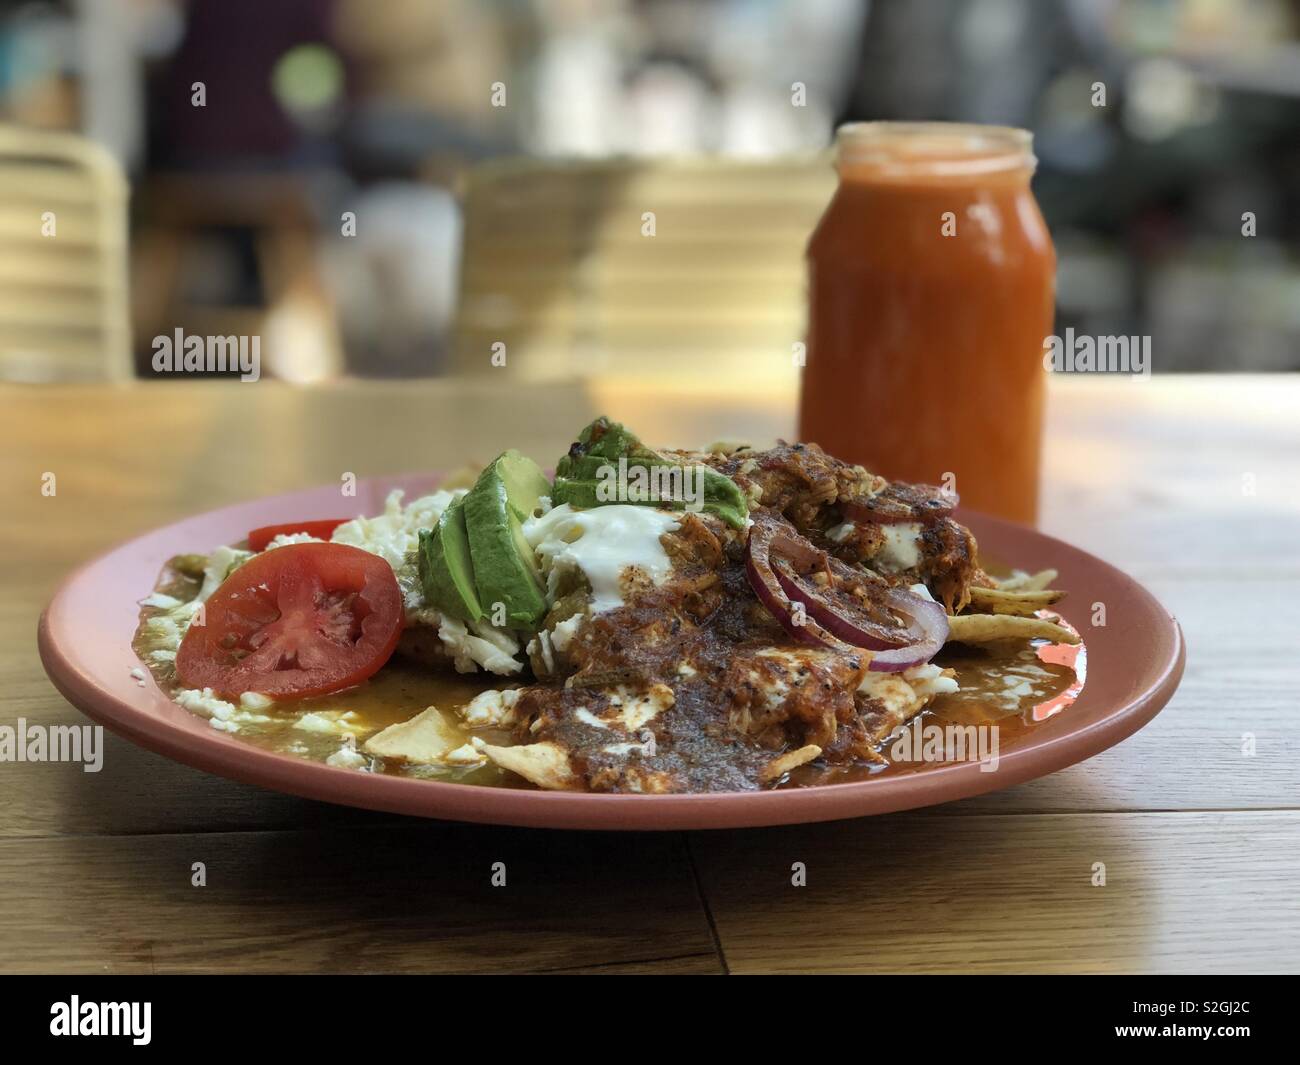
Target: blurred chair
{"x": 64, "y": 312}
{"x": 557, "y": 266}
{"x": 293, "y": 311}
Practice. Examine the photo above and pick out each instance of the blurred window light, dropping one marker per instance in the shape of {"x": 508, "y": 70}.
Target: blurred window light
{"x": 755, "y": 122}
{"x": 308, "y": 79}
{"x": 300, "y": 343}
{"x": 579, "y": 96}
{"x": 1163, "y": 97}
{"x": 677, "y": 78}
{"x": 671, "y": 110}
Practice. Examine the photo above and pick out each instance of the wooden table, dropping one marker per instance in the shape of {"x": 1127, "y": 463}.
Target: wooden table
{"x": 1192, "y": 485}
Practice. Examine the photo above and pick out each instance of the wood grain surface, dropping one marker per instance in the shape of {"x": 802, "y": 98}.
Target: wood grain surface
{"x": 1190, "y": 484}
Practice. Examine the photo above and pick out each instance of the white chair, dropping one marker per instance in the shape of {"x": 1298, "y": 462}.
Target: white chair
{"x": 557, "y": 267}
{"x": 64, "y": 312}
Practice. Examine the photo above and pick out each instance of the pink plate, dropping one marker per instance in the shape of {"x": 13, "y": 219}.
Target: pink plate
{"x": 1134, "y": 665}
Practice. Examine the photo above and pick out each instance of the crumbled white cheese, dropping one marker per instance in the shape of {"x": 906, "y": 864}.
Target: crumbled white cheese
{"x": 221, "y": 714}
{"x": 466, "y": 754}
{"x": 901, "y": 549}
{"x": 255, "y": 701}
{"x": 396, "y": 531}
{"x": 167, "y": 629}
{"x": 639, "y": 708}
{"x": 477, "y": 644}
{"x": 542, "y": 646}
{"x": 339, "y": 722}
{"x": 491, "y": 708}
{"x": 840, "y": 533}
{"x": 602, "y": 543}
{"x": 347, "y": 756}
{"x": 285, "y": 539}
{"x": 563, "y": 633}
{"x": 890, "y": 690}
{"x": 205, "y": 703}
{"x": 221, "y": 563}
{"x": 929, "y": 679}
{"x": 909, "y": 690}
{"x": 139, "y": 676}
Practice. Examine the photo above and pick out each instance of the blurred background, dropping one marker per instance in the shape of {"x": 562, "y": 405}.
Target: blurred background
{"x": 406, "y": 188}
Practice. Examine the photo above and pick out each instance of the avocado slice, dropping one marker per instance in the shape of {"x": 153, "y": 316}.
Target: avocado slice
{"x": 446, "y": 569}
{"x": 524, "y": 480}
{"x": 504, "y": 565}
{"x": 603, "y": 443}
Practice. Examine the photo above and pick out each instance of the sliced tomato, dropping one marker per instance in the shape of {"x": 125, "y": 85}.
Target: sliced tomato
{"x": 259, "y": 538}
{"x": 301, "y": 620}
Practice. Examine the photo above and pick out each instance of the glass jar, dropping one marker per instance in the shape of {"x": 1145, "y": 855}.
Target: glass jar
{"x": 931, "y": 291}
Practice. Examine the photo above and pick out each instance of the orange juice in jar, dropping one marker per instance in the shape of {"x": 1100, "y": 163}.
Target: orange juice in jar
{"x": 931, "y": 291}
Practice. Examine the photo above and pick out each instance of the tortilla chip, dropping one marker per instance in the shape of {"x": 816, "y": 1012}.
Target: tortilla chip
{"x": 984, "y": 628}
{"x": 426, "y": 739}
{"x": 728, "y": 447}
{"x": 1021, "y": 603}
{"x": 779, "y": 767}
{"x": 1028, "y": 582}
{"x": 545, "y": 764}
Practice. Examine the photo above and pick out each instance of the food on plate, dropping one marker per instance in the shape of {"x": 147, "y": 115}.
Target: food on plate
{"x": 647, "y": 621}
{"x": 293, "y": 623}
{"x": 504, "y": 565}
{"x": 260, "y": 539}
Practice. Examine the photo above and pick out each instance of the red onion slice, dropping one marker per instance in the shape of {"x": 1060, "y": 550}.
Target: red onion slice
{"x": 795, "y": 622}
{"x": 933, "y": 621}
{"x": 859, "y": 631}
{"x": 779, "y": 587}
{"x": 901, "y": 503}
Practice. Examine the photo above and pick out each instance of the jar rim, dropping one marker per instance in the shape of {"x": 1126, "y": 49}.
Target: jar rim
{"x": 933, "y": 149}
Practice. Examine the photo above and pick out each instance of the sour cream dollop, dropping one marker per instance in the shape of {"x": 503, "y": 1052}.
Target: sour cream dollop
{"x": 601, "y": 542}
